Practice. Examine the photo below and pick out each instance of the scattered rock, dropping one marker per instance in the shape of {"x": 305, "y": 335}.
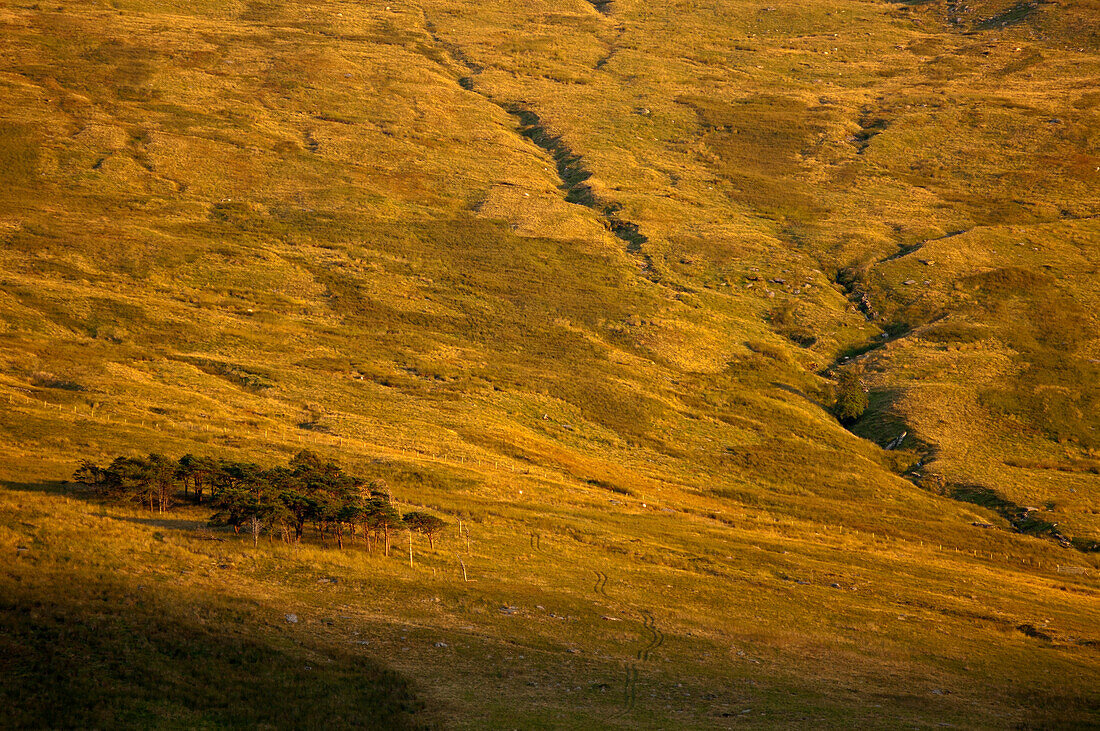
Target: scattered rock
{"x": 441, "y": 644}
{"x": 907, "y": 282}
{"x": 508, "y": 610}
{"x": 292, "y": 618}
{"x": 1031, "y": 631}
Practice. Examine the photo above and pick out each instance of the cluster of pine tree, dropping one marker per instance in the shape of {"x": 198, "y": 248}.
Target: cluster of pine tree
{"x": 279, "y": 500}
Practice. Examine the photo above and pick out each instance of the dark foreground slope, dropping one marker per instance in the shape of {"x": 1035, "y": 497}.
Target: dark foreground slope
{"x": 581, "y": 276}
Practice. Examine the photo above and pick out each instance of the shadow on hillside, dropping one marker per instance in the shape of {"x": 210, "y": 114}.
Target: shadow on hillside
{"x": 1014, "y": 15}
{"x": 69, "y": 489}
{"x": 169, "y": 523}
{"x": 57, "y": 487}
{"x": 800, "y": 393}
{"x": 84, "y": 654}
{"x": 881, "y": 424}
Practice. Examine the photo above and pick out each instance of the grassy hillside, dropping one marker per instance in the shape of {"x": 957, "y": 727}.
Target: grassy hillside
{"x": 583, "y": 276}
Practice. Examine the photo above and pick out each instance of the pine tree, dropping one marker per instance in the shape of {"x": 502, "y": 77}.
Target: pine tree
{"x": 851, "y": 397}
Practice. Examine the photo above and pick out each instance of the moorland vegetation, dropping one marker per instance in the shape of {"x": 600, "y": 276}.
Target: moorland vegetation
{"x": 754, "y": 344}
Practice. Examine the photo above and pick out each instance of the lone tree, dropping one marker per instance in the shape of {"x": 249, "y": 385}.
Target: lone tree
{"x": 425, "y": 524}
{"x": 851, "y": 397}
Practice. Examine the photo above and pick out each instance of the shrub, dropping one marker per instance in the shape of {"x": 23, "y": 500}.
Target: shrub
{"x": 851, "y": 397}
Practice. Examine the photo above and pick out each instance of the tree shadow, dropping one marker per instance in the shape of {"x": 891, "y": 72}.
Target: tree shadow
{"x": 56, "y": 487}
{"x": 170, "y": 523}
{"x": 87, "y": 494}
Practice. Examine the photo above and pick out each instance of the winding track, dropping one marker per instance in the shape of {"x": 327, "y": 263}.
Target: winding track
{"x": 655, "y": 638}
{"x": 601, "y": 584}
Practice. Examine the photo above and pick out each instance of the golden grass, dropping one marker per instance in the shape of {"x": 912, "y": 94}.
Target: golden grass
{"x": 242, "y": 230}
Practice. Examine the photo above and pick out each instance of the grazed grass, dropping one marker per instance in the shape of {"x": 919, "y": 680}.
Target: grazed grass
{"x": 244, "y": 230}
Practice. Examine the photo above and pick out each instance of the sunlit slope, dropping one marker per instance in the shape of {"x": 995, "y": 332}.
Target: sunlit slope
{"x": 938, "y": 161}
{"x": 581, "y": 271}
{"x": 253, "y": 240}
